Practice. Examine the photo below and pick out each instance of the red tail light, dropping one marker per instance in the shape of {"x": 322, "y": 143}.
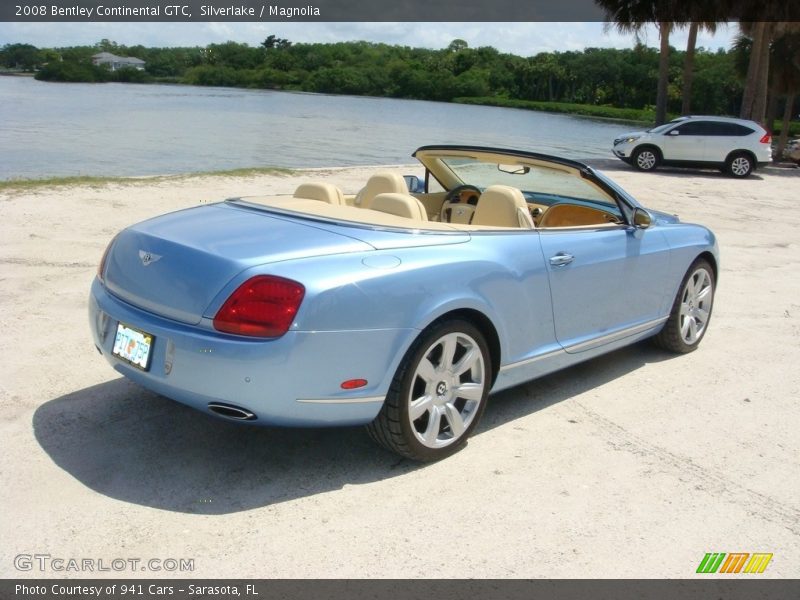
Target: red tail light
{"x": 101, "y": 268}
{"x": 766, "y": 138}
{"x": 263, "y": 306}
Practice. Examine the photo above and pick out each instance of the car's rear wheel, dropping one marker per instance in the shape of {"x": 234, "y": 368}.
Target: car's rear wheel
{"x": 691, "y": 310}
{"x": 739, "y": 165}
{"x": 646, "y": 159}
{"x": 438, "y": 394}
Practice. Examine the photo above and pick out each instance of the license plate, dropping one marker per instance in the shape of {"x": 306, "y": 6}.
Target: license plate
{"x": 133, "y": 346}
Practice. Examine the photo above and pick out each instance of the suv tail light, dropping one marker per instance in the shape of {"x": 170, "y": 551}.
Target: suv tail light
{"x": 766, "y": 138}
{"x": 263, "y": 306}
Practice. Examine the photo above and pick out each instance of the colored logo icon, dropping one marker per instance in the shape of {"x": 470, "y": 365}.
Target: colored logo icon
{"x": 734, "y": 562}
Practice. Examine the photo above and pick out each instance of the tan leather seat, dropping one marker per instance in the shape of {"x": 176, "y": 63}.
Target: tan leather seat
{"x": 401, "y": 205}
{"x": 502, "y": 206}
{"x": 324, "y": 192}
{"x": 380, "y": 183}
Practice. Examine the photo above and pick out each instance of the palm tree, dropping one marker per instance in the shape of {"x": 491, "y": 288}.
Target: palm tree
{"x": 688, "y": 61}
{"x": 705, "y": 15}
{"x": 630, "y": 16}
{"x": 754, "y": 97}
{"x": 664, "y": 29}
{"x": 763, "y": 36}
{"x": 785, "y": 80}
{"x": 763, "y": 21}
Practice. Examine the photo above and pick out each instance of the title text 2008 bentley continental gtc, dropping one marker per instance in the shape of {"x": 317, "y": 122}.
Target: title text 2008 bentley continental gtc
{"x": 393, "y": 308}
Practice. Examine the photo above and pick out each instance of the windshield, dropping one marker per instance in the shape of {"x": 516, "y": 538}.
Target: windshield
{"x": 533, "y": 180}
{"x": 664, "y": 127}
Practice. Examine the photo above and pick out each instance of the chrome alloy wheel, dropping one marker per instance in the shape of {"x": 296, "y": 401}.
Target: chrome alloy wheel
{"x": 646, "y": 160}
{"x": 446, "y": 390}
{"x": 696, "y": 299}
{"x": 741, "y": 166}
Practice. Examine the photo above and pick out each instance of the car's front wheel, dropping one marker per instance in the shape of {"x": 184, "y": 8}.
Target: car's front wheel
{"x": 438, "y": 394}
{"x": 691, "y": 310}
{"x": 645, "y": 159}
{"x": 739, "y": 165}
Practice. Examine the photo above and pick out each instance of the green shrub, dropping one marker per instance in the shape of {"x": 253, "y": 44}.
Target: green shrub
{"x": 131, "y": 75}
{"x": 588, "y": 110}
{"x": 73, "y": 71}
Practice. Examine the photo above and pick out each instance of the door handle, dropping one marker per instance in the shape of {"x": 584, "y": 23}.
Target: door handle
{"x": 561, "y": 259}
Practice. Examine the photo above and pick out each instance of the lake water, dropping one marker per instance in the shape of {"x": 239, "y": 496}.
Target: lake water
{"x": 63, "y": 129}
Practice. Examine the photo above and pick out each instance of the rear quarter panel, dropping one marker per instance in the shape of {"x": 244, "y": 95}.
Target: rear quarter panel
{"x": 501, "y": 275}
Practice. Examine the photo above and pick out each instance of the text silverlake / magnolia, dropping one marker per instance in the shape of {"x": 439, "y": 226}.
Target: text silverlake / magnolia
{"x": 246, "y": 11}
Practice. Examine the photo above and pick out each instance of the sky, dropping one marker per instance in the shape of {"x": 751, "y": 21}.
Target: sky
{"x": 523, "y": 39}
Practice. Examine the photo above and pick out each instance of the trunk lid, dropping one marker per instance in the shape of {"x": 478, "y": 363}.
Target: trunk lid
{"x": 176, "y": 264}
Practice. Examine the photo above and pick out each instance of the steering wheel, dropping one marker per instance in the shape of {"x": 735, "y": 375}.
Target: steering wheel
{"x": 459, "y": 204}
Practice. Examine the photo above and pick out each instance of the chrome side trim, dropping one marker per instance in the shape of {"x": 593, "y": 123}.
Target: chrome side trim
{"x": 341, "y": 400}
{"x": 611, "y": 337}
{"x": 530, "y": 361}
{"x": 598, "y": 341}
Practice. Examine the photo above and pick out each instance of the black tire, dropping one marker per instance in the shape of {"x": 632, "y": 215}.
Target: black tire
{"x": 680, "y": 333}
{"x": 446, "y": 431}
{"x": 740, "y": 165}
{"x": 646, "y": 158}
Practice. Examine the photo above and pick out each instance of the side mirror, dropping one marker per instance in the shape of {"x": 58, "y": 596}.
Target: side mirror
{"x": 414, "y": 184}
{"x": 674, "y": 132}
{"x": 641, "y": 218}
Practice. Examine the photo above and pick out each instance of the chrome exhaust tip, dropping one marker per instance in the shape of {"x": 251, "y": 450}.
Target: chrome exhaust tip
{"x": 231, "y": 412}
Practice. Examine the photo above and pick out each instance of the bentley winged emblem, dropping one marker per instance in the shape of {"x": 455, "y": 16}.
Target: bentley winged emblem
{"x": 148, "y": 258}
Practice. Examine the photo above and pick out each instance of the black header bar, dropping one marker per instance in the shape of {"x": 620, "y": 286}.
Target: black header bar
{"x": 364, "y": 10}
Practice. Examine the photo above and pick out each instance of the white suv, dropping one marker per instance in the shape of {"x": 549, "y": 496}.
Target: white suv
{"x": 734, "y": 145}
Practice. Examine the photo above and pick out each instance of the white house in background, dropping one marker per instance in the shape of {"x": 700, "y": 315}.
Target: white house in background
{"x": 115, "y": 62}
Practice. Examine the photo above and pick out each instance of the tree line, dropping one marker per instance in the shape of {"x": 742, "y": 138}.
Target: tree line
{"x": 595, "y": 77}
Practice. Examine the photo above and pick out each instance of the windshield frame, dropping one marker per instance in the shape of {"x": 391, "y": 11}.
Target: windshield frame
{"x": 541, "y": 178}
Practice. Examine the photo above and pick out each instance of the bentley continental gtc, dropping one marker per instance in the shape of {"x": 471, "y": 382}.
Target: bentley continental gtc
{"x": 401, "y": 306}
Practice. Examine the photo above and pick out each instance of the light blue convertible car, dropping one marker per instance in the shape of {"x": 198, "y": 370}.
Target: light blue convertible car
{"x": 393, "y": 308}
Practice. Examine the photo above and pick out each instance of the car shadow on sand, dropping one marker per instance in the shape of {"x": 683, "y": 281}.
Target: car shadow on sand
{"x": 130, "y": 444}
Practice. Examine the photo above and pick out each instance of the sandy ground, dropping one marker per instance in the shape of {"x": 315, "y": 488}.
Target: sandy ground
{"x": 631, "y": 465}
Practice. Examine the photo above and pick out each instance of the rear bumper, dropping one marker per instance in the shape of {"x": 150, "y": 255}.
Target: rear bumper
{"x": 293, "y": 380}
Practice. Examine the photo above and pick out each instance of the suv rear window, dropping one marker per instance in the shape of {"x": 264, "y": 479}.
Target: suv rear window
{"x": 714, "y": 128}
{"x": 694, "y": 128}
{"x": 728, "y": 129}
